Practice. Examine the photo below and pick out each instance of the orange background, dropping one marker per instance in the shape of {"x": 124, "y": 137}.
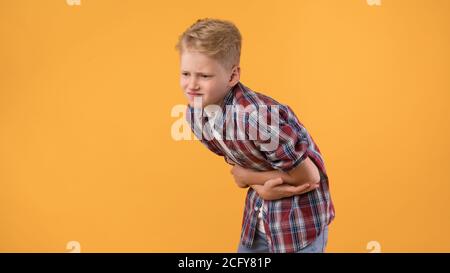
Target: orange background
{"x": 86, "y": 93}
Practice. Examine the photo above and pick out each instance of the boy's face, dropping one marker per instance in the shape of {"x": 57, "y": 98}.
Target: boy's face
{"x": 206, "y": 78}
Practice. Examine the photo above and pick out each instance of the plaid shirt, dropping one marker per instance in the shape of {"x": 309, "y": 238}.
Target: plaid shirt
{"x": 290, "y": 223}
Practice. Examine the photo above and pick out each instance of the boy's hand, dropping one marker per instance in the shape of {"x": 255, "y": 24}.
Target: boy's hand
{"x": 274, "y": 189}
{"x": 240, "y": 175}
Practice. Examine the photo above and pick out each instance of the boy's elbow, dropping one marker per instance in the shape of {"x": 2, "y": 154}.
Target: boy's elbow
{"x": 315, "y": 179}
{"x": 314, "y": 174}
{"x": 306, "y": 180}
{"x": 305, "y": 173}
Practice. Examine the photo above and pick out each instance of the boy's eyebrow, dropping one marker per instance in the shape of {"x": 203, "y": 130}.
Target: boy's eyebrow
{"x": 207, "y": 73}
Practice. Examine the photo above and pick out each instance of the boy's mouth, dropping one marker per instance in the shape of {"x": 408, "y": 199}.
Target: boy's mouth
{"x": 194, "y": 94}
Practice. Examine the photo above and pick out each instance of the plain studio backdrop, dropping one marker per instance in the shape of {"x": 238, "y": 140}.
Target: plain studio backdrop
{"x": 86, "y": 93}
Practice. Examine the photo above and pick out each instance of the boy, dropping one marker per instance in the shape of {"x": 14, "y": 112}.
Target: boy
{"x": 288, "y": 206}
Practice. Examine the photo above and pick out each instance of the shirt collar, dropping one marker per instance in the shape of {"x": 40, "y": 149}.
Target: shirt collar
{"x": 228, "y": 99}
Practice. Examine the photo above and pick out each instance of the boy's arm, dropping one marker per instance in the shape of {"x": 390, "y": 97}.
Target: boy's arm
{"x": 305, "y": 173}
{"x": 274, "y": 189}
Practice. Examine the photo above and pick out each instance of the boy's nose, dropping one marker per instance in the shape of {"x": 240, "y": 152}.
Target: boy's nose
{"x": 193, "y": 85}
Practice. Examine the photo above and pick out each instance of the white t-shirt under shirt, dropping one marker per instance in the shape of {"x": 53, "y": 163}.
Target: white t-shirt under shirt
{"x": 260, "y": 225}
{"x": 230, "y": 154}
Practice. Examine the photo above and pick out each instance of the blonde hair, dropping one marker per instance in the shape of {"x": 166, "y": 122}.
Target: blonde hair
{"x": 218, "y": 39}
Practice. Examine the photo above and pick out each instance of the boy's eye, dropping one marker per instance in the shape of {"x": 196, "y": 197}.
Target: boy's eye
{"x": 185, "y": 73}
{"x": 206, "y": 76}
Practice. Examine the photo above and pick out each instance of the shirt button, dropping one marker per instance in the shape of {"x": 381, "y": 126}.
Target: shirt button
{"x": 256, "y": 208}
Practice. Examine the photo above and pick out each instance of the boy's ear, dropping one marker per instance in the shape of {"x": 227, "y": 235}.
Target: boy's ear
{"x": 235, "y": 75}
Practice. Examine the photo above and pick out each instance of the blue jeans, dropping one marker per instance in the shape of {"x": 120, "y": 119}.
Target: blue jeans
{"x": 260, "y": 244}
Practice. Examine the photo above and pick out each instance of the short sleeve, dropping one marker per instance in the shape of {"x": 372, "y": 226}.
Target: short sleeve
{"x": 288, "y": 140}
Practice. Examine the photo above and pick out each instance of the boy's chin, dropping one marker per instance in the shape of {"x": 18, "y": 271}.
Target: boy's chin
{"x": 201, "y": 105}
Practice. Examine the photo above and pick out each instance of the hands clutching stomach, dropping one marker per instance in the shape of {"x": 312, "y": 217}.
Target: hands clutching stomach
{"x": 271, "y": 185}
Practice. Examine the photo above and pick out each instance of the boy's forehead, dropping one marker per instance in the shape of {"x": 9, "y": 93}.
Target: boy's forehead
{"x": 197, "y": 62}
